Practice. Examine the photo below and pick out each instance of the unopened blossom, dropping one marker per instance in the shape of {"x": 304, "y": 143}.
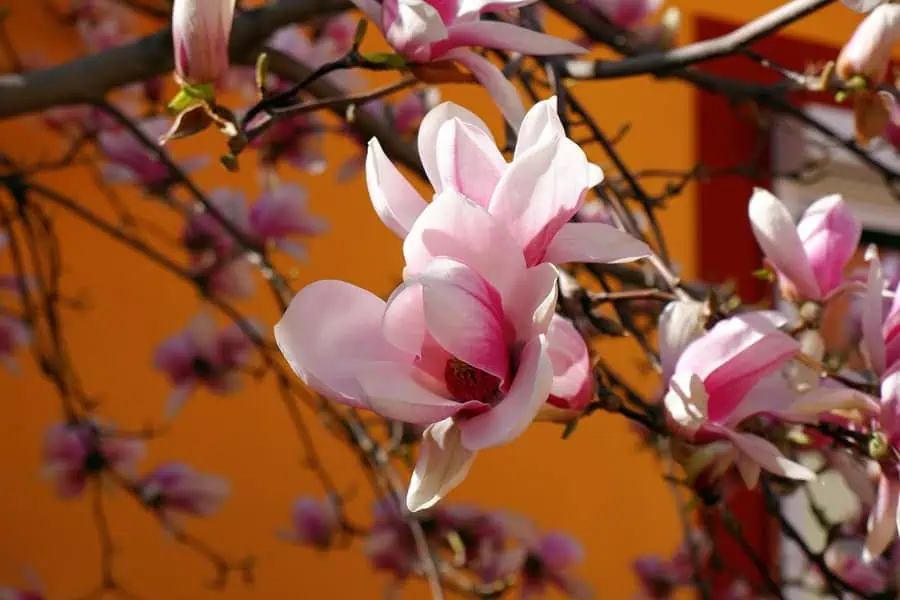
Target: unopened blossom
{"x": 573, "y": 378}
{"x": 74, "y": 452}
{"x": 867, "y": 55}
{"x": 657, "y": 578}
{"x": 314, "y": 522}
{"x": 534, "y": 197}
{"x": 708, "y": 389}
{"x": 809, "y": 258}
{"x": 173, "y": 488}
{"x": 14, "y": 335}
{"x": 200, "y": 32}
{"x": 427, "y": 32}
{"x": 544, "y": 563}
{"x": 280, "y": 214}
{"x": 129, "y": 160}
{"x": 200, "y": 355}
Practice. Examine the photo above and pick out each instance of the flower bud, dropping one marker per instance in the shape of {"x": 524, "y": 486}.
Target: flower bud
{"x": 200, "y": 31}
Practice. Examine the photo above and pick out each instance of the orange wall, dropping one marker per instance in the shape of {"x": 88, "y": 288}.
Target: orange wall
{"x": 594, "y": 485}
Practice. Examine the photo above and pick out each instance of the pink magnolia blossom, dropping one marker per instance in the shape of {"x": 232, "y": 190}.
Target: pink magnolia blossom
{"x": 880, "y": 327}
{"x": 573, "y": 379}
{"x": 200, "y": 32}
{"x": 680, "y": 323}
{"x": 390, "y": 545}
{"x": 130, "y": 161}
{"x": 544, "y": 562}
{"x": 297, "y": 140}
{"x": 14, "y": 334}
{"x": 710, "y": 383}
{"x": 201, "y": 355}
{"x": 483, "y": 536}
{"x": 231, "y": 278}
{"x": 425, "y": 32}
{"x": 868, "y": 53}
{"x": 315, "y": 523}
{"x": 177, "y": 488}
{"x": 203, "y": 232}
{"x": 809, "y": 258}
{"x": 73, "y": 452}
{"x": 280, "y": 214}
{"x": 534, "y": 197}
{"x": 657, "y": 577}
{"x": 626, "y": 14}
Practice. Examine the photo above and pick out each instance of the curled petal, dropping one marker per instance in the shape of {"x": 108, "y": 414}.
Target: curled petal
{"x": 431, "y": 124}
{"x": 468, "y": 161}
{"x": 541, "y": 126}
{"x": 497, "y": 85}
{"x": 882, "y": 525}
{"x": 504, "y": 36}
{"x": 443, "y": 463}
{"x": 680, "y": 324}
{"x": 573, "y": 382}
{"x": 830, "y": 236}
{"x": 594, "y": 243}
{"x": 873, "y": 316}
{"x": 766, "y": 455}
{"x": 396, "y": 201}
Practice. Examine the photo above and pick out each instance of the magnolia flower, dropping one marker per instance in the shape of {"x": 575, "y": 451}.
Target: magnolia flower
{"x": 177, "y": 488}
{"x": 808, "y": 258}
{"x": 711, "y": 380}
{"x": 544, "y": 562}
{"x": 680, "y": 323}
{"x": 200, "y": 355}
{"x": 131, "y": 161}
{"x": 425, "y": 32}
{"x": 200, "y": 32}
{"x": 203, "y": 232}
{"x": 281, "y": 213}
{"x": 657, "y": 577}
{"x": 459, "y": 346}
{"x": 231, "y": 278}
{"x": 573, "y": 380}
{"x": 73, "y": 452}
{"x": 626, "y": 14}
{"x": 315, "y": 523}
{"x": 534, "y": 197}
{"x": 868, "y": 55}
{"x": 880, "y": 328}
{"x": 390, "y": 545}
{"x": 482, "y": 535}
{"x": 14, "y": 334}
{"x": 296, "y": 139}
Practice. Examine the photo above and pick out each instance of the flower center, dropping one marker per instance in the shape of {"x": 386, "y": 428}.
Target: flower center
{"x": 465, "y": 382}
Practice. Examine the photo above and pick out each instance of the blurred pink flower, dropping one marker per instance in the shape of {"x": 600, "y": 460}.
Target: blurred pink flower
{"x": 390, "y": 545}
{"x": 130, "y": 161}
{"x": 280, "y": 214}
{"x": 74, "y": 452}
{"x": 483, "y": 536}
{"x": 626, "y": 14}
{"x": 14, "y": 334}
{"x": 177, "y": 488}
{"x": 315, "y": 523}
{"x": 657, "y": 578}
{"x": 544, "y": 563}
{"x": 203, "y": 232}
{"x": 200, "y": 355}
{"x": 425, "y": 32}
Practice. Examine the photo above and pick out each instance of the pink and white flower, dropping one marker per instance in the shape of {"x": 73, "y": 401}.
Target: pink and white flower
{"x": 809, "y": 258}
{"x": 200, "y": 355}
{"x": 14, "y": 335}
{"x": 74, "y": 452}
{"x": 573, "y": 378}
{"x": 534, "y": 197}
{"x": 626, "y": 14}
{"x": 174, "y": 488}
{"x": 424, "y": 32}
{"x": 545, "y": 562}
{"x": 200, "y": 32}
{"x": 280, "y": 214}
{"x": 711, "y": 381}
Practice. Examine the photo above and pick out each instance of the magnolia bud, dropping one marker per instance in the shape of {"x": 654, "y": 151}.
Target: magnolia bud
{"x": 869, "y": 50}
{"x": 200, "y": 31}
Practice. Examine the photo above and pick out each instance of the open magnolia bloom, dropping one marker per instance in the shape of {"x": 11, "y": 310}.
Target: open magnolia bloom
{"x": 706, "y": 397}
{"x": 459, "y": 346}
{"x": 809, "y": 257}
{"x": 534, "y": 197}
{"x": 424, "y": 31}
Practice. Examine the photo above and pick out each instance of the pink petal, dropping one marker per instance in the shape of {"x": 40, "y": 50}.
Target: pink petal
{"x": 573, "y": 380}
{"x": 396, "y": 201}
{"x": 497, "y": 85}
{"x": 765, "y": 454}
{"x": 371, "y": 9}
{"x": 560, "y": 551}
{"x": 428, "y": 136}
{"x": 826, "y": 399}
{"x": 454, "y": 227}
{"x": 533, "y": 301}
{"x": 468, "y": 161}
{"x": 873, "y": 316}
{"x": 686, "y": 401}
{"x": 540, "y": 126}
{"x": 414, "y": 27}
{"x": 329, "y": 332}
{"x": 679, "y": 324}
{"x": 403, "y": 322}
{"x": 472, "y": 8}
{"x": 391, "y": 390}
{"x": 748, "y": 470}
{"x": 443, "y": 463}
{"x": 882, "y": 524}
{"x": 830, "y": 236}
{"x": 733, "y": 357}
{"x": 777, "y": 236}
{"x": 594, "y": 243}
{"x": 627, "y": 14}
{"x": 464, "y": 314}
{"x": 539, "y": 193}
{"x": 503, "y": 36}
{"x": 515, "y": 412}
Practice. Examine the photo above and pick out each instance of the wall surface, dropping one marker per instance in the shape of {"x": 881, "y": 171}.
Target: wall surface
{"x": 594, "y": 486}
